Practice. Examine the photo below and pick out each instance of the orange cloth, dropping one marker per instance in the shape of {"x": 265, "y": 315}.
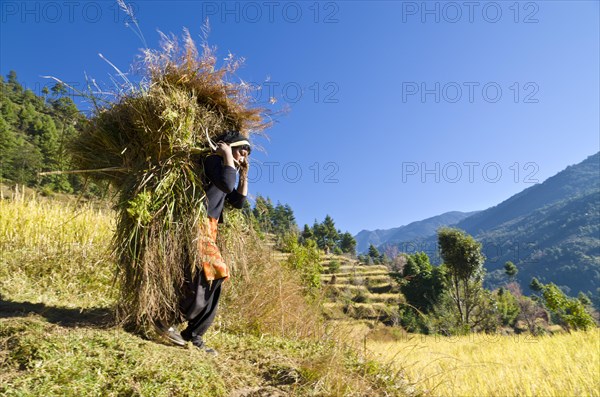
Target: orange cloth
{"x": 210, "y": 256}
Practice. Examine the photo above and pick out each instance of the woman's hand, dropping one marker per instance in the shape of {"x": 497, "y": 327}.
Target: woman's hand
{"x": 224, "y": 150}
{"x": 244, "y": 164}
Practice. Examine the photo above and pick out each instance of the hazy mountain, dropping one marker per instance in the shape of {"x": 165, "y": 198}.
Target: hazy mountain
{"x": 559, "y": 243}
{"x": 573, "y": 181}
{"x": 550, "y": 231}
{"x": 412, "y": 232}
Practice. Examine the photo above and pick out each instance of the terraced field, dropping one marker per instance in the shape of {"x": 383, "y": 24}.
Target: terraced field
{"x": 354, "y": 290}
{"x": 359, "y": 291}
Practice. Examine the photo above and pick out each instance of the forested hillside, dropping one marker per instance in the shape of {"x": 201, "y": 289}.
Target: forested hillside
{"x": 551, "y": 231}
{"x": 34, "y": 132}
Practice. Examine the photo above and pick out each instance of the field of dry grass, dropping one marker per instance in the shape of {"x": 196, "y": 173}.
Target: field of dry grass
{"x": 493, "y": 365}
{"x": 58, "y": 336}
{"x": 56, "y": 286}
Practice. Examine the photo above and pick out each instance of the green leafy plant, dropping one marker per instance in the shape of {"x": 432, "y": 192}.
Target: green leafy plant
{"x": 570, "y": 311}
{"x": 306, "y": 259}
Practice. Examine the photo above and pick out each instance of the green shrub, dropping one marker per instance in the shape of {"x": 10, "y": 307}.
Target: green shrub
{"x": 334, "y": 266}
{"x": 570, "y": 311}
{"x": 306, "y": 259}
{"x": 360, "y": 297}
{"x": 507, "y": 306}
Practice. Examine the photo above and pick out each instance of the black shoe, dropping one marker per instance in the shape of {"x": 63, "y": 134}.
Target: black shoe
{"x": 198, "y": 342}
{"x": 170, "y": 333}
{"x": 187, "y": 335}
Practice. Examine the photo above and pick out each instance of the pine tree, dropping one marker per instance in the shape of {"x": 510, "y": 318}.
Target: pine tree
{"x": 330, "y": 232}
{"x": 374, "y": 254}
{"x": 326, "y": 234}
{"x": 307, "y": 234}
{"x": 12, "y": 82}
{"x": 511, "y": 270}
{"x": 535, "y": 285}
{"x": 347, "y": 243}
{"x": 263, "y": 212}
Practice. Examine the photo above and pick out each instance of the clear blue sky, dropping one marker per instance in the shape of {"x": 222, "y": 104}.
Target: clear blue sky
{"x": 394, "y": 94}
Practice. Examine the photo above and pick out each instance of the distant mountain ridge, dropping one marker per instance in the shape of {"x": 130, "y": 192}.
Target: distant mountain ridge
{"x": 550, "y": 231}
{"x": 558, "y": 243}
{"x": 411, "y": 232}
{"x": 573, "y": 181}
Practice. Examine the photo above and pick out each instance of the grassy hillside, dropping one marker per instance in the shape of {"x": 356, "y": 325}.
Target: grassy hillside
{"x": 58, "y": 335}
{"x": 34, "y": 131}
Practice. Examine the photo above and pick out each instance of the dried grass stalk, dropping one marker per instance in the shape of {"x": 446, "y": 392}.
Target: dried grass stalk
{"x": 263, "y": 297}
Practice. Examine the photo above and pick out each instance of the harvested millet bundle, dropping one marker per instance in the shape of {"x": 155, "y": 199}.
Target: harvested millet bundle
{"x": 148, "y": 144}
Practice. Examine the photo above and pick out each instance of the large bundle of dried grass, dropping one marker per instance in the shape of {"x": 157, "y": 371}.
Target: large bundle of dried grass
{"x": 147, "y": 144}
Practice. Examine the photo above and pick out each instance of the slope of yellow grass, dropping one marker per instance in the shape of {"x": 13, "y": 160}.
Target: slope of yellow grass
{"x": 494, "y": 365}
{"x": 58, "y": 336}
{"x": 55, "y": 253}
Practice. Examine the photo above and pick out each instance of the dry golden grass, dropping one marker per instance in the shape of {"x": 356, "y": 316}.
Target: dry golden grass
{"x": 494, "y": 365}
{"x": 51, "y": 250}
{"x": 263, "y": 296}
{"x": 57, "y": 255}
{"x": 58, "y": 337}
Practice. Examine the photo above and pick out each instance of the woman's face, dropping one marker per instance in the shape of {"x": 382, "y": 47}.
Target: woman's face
{"x": 240, "y": 152}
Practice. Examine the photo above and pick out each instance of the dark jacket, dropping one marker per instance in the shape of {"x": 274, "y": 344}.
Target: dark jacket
{"x": 219, "y": 186}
